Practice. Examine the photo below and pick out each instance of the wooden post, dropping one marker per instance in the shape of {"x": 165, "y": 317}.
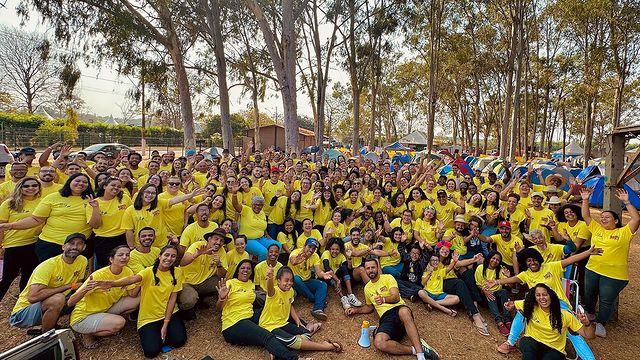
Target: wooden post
{"x": 613, "y": 169}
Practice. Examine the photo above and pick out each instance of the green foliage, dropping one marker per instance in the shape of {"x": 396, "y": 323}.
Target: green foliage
{"x": 213, "y": 130}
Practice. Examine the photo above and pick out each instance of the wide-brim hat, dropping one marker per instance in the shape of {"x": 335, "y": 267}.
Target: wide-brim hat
{"x": 560, "y": 178}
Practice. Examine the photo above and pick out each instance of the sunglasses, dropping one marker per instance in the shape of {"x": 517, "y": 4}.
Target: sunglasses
{"x": 174, "y": 184}
{"x": 30, "y": 186}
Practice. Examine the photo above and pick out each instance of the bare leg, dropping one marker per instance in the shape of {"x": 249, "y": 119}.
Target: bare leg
{"x": 410, "y": 327}
{"x": 308, "y": 345}
{"x": 347, "y": 284}
{"x": 383, "y": 343}
{"x": 434, "y": 304}
{"x": 449, "y": 300}
{"x": 51, "y": 309}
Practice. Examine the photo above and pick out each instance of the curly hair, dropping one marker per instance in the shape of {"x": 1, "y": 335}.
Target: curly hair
{"x": 555, "y": 313}
{"x": 172, "y": 268}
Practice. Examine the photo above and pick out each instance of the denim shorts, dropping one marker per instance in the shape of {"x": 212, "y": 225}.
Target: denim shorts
{"x": 27, "y": 317}
{"x": 437, "y": 297}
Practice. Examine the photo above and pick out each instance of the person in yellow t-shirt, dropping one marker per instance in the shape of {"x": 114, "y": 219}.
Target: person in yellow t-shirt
{"x": 134, "y": 161}
{"x": 506, "y": 243}
{"x": 302, "y": 261}
{"x": 550, "y": 252}
{"x": 433, "y": 282}
{"x": 43, "y": 300}
{"x": 18, "y": 172}
{"x": 99, "y": 312}
{"x": 355, "y": 251}
{"x": 159, "y": 288}
{"x": 236, "y": 255}
{"x": 427, "y": 229}
{"x": 611, "y": 270}
{"x": 325, "y": 210}
{"x": 260, "y": 277}
{"x": 278, "y": 309}
{"x": 396, "y": 319}
{"x": 253, "y": 225}
{"x": 272, "y": 187}
{"x": 204, "y": 264}
{"x": 547, "y": 324}
{"x": 239, "y": 326}
{"x": 446, "y": 209}
{"x": 106, "y": 219}
{"x": 59, "y": 212}
{"x": 387, "y": 250}
{"x": 496, "y": 296}
{"x": 405, "y": 222}
{"x": 309, "y": 232}
{"x": 145, "y": 253}
{"x": 18, "y": 246}
{"x": 173, "y": 217}
{"x": 334, "y": 262}
{"x": 195, "y": 232}
{"x": 46, "y": 176}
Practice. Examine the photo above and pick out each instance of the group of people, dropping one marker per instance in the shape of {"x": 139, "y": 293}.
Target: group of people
{"x": 115, "y": 239}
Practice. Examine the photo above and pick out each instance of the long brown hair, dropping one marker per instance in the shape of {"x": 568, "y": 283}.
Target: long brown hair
{"x": 16, "y": 202}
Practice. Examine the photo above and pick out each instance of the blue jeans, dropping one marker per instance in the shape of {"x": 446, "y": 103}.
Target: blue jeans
{"x": 498, "y": 312}
{"x": 259, "y": 247}
{"x": 314, "y": 290}
{"x": 273, "y": 229}
{"x": 393, "y": 270}
{"x": 604, "y": 288}
{"x": 582, "y": 349}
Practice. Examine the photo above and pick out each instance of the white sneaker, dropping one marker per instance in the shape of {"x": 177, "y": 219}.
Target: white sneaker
{"x": 345, "y": 302}
{"x": 353, "y": 300}
{"x": 601, "y": 331}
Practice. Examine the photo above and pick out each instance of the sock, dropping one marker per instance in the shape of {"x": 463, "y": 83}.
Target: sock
{"x": 413, "y": 350}
{"x": 420, "y": 356}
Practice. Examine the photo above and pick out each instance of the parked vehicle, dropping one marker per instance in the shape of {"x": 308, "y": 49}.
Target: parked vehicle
{"x": 113, "y": 148}
{"x": 5, "y": 158}
{"x": 52, "y": 345}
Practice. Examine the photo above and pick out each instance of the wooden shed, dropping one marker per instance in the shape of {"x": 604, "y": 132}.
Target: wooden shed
{"x": 273, "y": 135}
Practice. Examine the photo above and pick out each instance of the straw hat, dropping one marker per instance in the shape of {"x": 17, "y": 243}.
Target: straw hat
{"x": 558, "y": 177}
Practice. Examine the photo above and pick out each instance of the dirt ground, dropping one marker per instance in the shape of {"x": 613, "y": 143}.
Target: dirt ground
{"x": 452, "y": 338}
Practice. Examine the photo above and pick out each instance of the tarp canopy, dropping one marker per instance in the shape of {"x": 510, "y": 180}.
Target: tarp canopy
{"x": 396, "y": 146}
{"x": 415, "y": 138}
{"x": 372, "y": 156}
{"x": 331, "y": 153}
{"x": 573, "y": 149}
{"x": 597, "y": 197}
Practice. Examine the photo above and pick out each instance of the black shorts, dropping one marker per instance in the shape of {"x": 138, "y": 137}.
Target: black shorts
{"x": 391, "y": 324}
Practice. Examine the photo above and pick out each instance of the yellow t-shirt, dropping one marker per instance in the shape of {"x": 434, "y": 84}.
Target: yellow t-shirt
{"x": 137, "y": 219}
{"x": 154, "y": 298}
{"x": 506, "y": 249}
{"x": 435, "y": 283}
{"x": 137, "y": 173}
{"x": 194, "y": 232}
{"x": 382, "y": 287}
{"x": 111, "y": 212}
{"x": 427, "y": 231}
{"x": 322, "y": 214}
{"x": 396, "y": 211}
{"x": 252, "y": 225}
{"x": 615, "y": 244}
{"x": 44, "y": 191}
{"x": 457, "y": 240}
{"x": 355, "y": 260}
{"x": 32, "y": 170}
{"x": 579, "y": 230}
{"x": 549, "y": 274}
{"x": 53, "y": 273}
{"x": 173, "y": 216}
{"x": 302, "y": 238}
{"x": 6, "y": 189}
{"x": 445, "y": 213}
{"x": 65, "y": 215}
{"x": 379, "y": 205}
{"x": 276, "y": 309}
{"x": 285, "y": 239}
{"x": 553, "y": 252}
{"x": 97, "y": 300}
{"x": 417, "y": 208}
{"x": 139, "y": 260}
{"x": 389, "y": 246}
{"x": 407, "y": 228}
{"x": 515, "y": 219}
{"x": 239, "y": 302}
{"x": 304, "y": 213}
{"x": 347, "y": 204}
{"x": 245, "y": 197}
{"x": 277, "y": 215}
{"x": 304, "y": 268}
{"x": 334, "y": 262}
{"x": 539, "y": 327}
{"x": 260, "y": 274}
{"x": 490, "y": 275}
{"x": 202, "y": 268}
{"x": 15, "y": 238}
{"x": 338, "y": 230}
{"x": 200, "y": 178}
{"x": 539, "y": 218}
{"x": 269, "y": 190}
{"x": 233, "y": 259}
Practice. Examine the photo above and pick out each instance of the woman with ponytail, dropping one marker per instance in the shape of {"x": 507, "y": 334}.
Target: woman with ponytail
{"x": 159, "y": 286}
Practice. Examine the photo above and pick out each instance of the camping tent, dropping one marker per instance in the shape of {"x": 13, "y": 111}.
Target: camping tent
{"x": 597, "y": 198}
{"x": 397, "y": 147}
{"x": 573, "y": 149}
{"x": 415, "y": 138}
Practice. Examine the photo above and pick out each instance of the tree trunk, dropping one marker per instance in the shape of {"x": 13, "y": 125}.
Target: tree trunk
{"x": 374, "y": 115}
{"x": 506, "y": 116}
{"x": 617, "y": 100}
{"x": 256, "y": 113}
{"x": 515, "y": 123}
{"x": 184, "y": 92}
{"x": 355, "y": 143}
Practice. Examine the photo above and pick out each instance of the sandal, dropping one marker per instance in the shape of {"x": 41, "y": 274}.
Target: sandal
{"x": 453, "y": 313}
{"x": 337, "y": 347}
{"x": 482, "y": 329}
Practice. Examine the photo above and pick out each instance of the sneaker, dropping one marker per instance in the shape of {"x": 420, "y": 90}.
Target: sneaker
{"x": 508, "y": 325}
{"x": 428, "y": 351}
{"x": 319, "y": 315}
{"x": 345, "y": 302}
{"x": 505, "y": 348}
{"x": 601, "y": 331}
{"x": 353, "y": 300}
{"x": 413, "y": 298}
{"x": 503, "y": 329}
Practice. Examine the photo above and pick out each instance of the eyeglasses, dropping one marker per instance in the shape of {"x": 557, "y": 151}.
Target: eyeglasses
{"x": 48, "y": 171}
{"x": 30, "y": 186}
{"x": 174, "y": 184}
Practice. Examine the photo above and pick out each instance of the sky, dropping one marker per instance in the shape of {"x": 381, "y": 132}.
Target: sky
{"x": 103, "y": 90}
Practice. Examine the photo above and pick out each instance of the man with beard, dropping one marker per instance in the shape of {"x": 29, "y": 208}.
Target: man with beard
{"x": 101, "y": 165}
{"x": 167, "y": 160}
{"x": 396, "y": 318}
{"x": 43, "y": 300}
{"x": 144, "y": 254}
{"x": 273, "y": 187}
{"x": 196, "y": 231}
{"x": 134, "y": 161}
{"x": 17, "y": 172}
{"x": 203, "y": 264}
{"x": 46, "y": 175}
{"x": 507, "y": 244}
{"x": 153, "y": 167}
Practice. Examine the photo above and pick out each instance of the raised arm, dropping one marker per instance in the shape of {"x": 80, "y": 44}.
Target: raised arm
{"x": 586, "y": 214}
{"x": 581, "y": 256}
{"x": 633, "y": 212}
{"x": 185, "y": 197}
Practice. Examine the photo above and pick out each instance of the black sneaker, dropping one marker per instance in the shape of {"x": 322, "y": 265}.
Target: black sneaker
{"x": 429, "y": 352}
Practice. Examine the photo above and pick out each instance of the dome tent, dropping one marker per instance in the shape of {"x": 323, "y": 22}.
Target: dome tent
{"x": 597, "y": 198}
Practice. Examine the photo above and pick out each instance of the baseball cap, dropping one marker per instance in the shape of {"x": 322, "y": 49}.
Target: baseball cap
{"x": 74, "y": 236}
{"x": 312, "y": 242}
{"x": 504, "y": 223}
{"x": 28, "y": 151}
{"x": 275, "y": 169}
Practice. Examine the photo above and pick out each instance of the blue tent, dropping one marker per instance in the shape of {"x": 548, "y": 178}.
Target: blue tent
{"x": 575, "y": 171}
{"x": 597, "y": 198}
{"x": 331, "y": 153}
{"x": 403, "y": 159}
{"x": 588, "y": 172}
{"x": 396, "y": 146}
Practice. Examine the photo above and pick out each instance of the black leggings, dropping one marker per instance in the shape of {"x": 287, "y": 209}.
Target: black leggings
{"x": 104, "y": 245}
{"x": 46, "y": 250}
{"x": 288, "y": 334}
{"x": 151, "y": 341}
{"x": 534, "y": 350}
{"x": 17, "y": 260}
{"x": 246, "y": 332}
{"x": 458, "y": 287}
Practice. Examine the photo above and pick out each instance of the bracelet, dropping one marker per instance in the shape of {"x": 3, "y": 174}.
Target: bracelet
{"x": 74, "y": 286}
{"x": 166, "y": 321}
{"x": 384, "y": 301}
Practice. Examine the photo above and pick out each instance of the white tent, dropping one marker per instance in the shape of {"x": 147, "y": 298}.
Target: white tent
{"x": 572, "y": 149}
{"x": 415, "y": 138}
